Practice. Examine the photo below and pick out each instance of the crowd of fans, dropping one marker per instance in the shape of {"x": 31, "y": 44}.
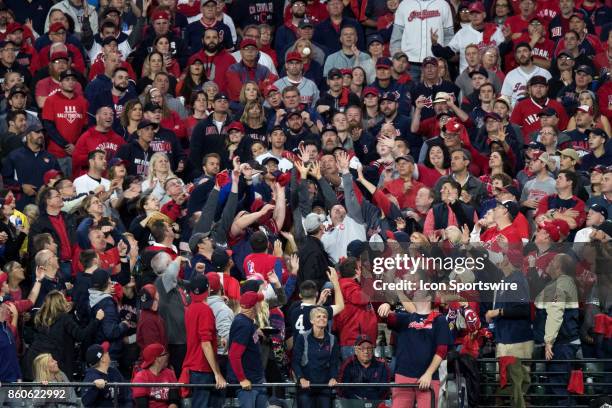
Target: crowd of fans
{"x": 195, "y": 191}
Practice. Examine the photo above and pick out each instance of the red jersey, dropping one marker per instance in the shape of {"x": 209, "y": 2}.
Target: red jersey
{"x": 547, "y": 10}
{"x": 543, "y": 49}
{"x": 261, "y": 263}
{"x": 199, "y": 328}
{"x": 158, "y": 397}
{"x": 69, "y": 116}
{"x": 91, "y": 140}
{"x": 604, "y": 95}
{"x": 525, "y": 115}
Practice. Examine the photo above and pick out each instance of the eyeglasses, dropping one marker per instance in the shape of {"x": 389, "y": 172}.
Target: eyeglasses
{"x": 365, "y": 349}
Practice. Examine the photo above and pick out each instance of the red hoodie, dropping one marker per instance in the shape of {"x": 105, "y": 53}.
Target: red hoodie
{"x": 216, "y": 66}
{"x": 358, "y": 316}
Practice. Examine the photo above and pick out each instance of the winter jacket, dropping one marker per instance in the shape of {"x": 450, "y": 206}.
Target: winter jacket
{"x": 358, "y": 316}
{"x": 322, "y": 358}
{"x": 206, "y": 139}
{"x": 352, "y": 371}
{"x": 112, "y": 328}
{"x": 70, "y": 10}
{"x": 515, "y": 324}
{"x": 172, "y": 303}
{"x": 59, "y": 339}
{"x": 43, "y": 224}
{"x": 314, "y": 261}
{"x": 557, "y": 310}
{"x": 95, "y": 397}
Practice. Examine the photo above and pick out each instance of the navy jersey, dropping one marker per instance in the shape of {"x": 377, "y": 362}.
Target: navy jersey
{"x": 417, "y": 340}
{"x": 244, "y": 331}
{"x": 299, "y": 317}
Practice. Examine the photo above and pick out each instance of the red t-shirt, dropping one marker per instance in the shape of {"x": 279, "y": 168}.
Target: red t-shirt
{"x": 199, "y": 327}
{"x": 158, "y": 396}
{"x": 69, "y": 116}
{"x": 404, "y": 198}
{"x": 49, "y": 86}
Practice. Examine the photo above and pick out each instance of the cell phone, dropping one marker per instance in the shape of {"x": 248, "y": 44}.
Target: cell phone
{"x": 268, "y": 331}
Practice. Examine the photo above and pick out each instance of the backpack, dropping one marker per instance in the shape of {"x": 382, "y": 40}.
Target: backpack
{"x": 304, "y": 362}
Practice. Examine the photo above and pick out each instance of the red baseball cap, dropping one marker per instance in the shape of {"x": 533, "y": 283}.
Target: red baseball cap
{"x": 55, "y": 27}
{"x": 192, "y": 60}
{"x": 150, "y": 353}
{"x": 235, "y": 125}
{"x": 370, "y": 90}
{"x": 14, "y": 26}
{"x": 214, "y": 281}
{"x": 248, "y": 42}
{"x": 586, "y": 109}
{"x": 476, "y": 7}
{"x": 50, "y": 175}
{"x": 293, "y": 56}
{"x": 248, "y": 300}
{"x": 59, "y": 55}
{"x": 269, "y": 89}
{"x": 453, "y": 125}
{"x": 160, "y": 15}
{"x": 552, "y": 230}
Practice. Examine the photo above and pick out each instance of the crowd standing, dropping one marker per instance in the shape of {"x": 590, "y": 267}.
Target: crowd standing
{"x": 195, "y": 191}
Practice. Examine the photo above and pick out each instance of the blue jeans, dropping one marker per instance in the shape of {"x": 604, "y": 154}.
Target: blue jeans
{"x": 314, "y": 398}
{"x": 256, "y": 397}
{"x": 562, "y": 352}
{"x": 200, "y": 397}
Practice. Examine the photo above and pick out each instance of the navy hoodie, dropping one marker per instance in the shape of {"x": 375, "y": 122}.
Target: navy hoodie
{"x": 323, "y": 359}
{"x": 95, "y": 397}
{"x": 113, "y": 330}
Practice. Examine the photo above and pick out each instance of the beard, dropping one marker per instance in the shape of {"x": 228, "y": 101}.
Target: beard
{"x": 120, "y": 88}
{"x": 299, "y": 14}
{"x": 212, "y": 47}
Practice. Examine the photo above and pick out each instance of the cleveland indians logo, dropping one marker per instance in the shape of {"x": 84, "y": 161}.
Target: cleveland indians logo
{"x": 423, "y": 15}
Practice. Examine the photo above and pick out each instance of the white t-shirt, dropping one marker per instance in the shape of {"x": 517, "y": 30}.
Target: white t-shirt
{"x": 515, "y": 84}
{"x": 468, "y": 35}
{"x": 86, "y": 184}
{"x": 419, "y": 17}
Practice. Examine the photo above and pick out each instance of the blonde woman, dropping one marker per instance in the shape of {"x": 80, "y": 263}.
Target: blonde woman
{"x": 249, "y": 93}
{"x": 159, "y": 172}
{"x": 56, "y": 332}
{"x": 46, "y": 370}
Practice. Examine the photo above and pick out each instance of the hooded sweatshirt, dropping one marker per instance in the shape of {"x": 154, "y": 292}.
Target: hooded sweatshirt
{"x": 112, "y": 328}
{"x": 172, "y": 303}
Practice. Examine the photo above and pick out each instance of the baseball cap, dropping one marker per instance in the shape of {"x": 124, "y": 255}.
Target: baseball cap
{"x": 249, "y": 299}
{"x": 235, "y": 125}
{"x": 196, "y": 238}
{"x": 453, "y": 125}
{"x": 585, "y": 69}
{"x": 565, "y": 53}
{"x": 400, "y": 54}
{"x": 198, "y": 285}
{"x": 585, "y": 108}
{"x": 548, "y": 112}
{"x": 356, "y": 247}
{"x": 248, "y": 42}
{"x": 195, "y": 58}
{"x": 99, "y": 278}
{"x": 405, "y": 157}
{"x": 145, "y": 123}
{"x": 578, "y": 15}
{"x": 504, "y": 99}
{"x": 18, "y": 89}
{"x": 535, "y": 146}
{"x": 293, "y": 56}
{"x": 551, "y": 229}
{"x": 363, "y": 338}
{"x": 150, "y": 353}
{"x": 597, "y": 132}
{"x": 538, "y": 80}
{"x": 430, "y": 61}
{"x": 600, "y": 209}
{"x": 571, "y": 153}
{"x": 388, "y": 96}
{"x": 36, "y": 127}
{"x": 50, "y": 175}
{"x": 214, "y": 281}
{"x": 160, "y": 15}
{"x": 305, "y": 22}
{"x": 12, "y": 27}
{"x": 268, "y": 90}
{"x": 329, "y": 128}
{"x": 293, "y": 112}
{"x": 480, "y": 71}
{"x": 511, "y": 206}
{"x": 370, "y": 90}
{"x": 334, "y": 73}
{"x": 441, "y": 97}
{"x": 151, "y": 107}
{"x": 375, "y": 38}
{"x": 110, "y": 10}
{"x": 522, "y": 44}
{"x": 269, "y": 159}
{"x": 312, "y": 222}
{"x": 95, "y": 352}
{"x": 492, "y": 115}
{"x": 67, "y": 74}
{"x": 57, "y": 26}
{"x": 220, "y": 95}
{"x": 384, "y": 62}
{"x": 55, "y": 55}
{"x": 545, "y": 158}
{"x": 219, "y": 259}
{"x": 476, "y": 7}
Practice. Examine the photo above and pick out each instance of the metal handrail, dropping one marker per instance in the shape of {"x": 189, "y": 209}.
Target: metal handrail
{"x": 212, "y": 386}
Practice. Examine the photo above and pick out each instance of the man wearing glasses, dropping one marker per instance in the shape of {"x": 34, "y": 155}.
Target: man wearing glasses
{"x": 363, "y": 368}
{"x": 8, "y": 61}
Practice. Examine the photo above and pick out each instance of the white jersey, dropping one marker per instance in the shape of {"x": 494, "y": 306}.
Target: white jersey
{"x": 86, "y": 184}
{"x": 418, "y": 18}
{"x": 515, "y": 84}
{"x": 466, "y": 36}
